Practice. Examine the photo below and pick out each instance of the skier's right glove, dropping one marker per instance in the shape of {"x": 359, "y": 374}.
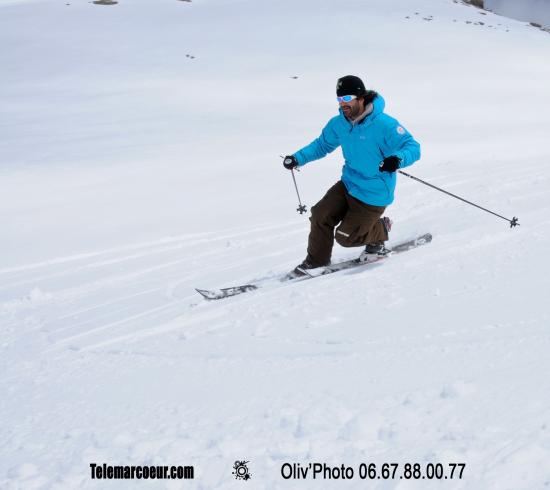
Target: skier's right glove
{"x": 290, "y": 162}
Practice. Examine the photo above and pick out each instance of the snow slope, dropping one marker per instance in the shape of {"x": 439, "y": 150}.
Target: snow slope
{"x": 139, "y": 159}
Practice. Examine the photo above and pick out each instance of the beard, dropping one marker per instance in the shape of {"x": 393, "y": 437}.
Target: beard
{"x": 352, "y": 112}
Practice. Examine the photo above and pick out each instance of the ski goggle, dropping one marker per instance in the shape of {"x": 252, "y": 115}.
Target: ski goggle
{"x": 346, "y": 98}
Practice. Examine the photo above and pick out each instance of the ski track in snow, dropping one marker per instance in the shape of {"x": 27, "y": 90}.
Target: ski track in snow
{"x": 155, "y": 274}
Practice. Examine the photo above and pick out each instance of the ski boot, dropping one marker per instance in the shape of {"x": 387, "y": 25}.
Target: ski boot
{"x": 374, "y": 251}
{"x": 301, "y": 270}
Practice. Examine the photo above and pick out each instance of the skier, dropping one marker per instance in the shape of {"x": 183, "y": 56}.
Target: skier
{"x": 374, "y": 146}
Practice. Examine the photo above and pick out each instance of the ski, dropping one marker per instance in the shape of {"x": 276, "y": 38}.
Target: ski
{"x": 226, "y": 292}
{"x": 213, "y": 294}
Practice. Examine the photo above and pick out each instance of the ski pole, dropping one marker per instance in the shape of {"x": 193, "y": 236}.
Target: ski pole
{"x": 513, "y": 222}
{"x": 301, "y": 208}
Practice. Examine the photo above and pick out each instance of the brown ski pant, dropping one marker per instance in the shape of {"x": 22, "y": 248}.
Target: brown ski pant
{"x": 359, "y": 224}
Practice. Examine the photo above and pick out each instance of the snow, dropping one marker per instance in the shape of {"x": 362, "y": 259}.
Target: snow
{"x": 131, "y": 173}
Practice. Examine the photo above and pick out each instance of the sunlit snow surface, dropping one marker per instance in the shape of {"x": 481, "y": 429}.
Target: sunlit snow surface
{"x": 139, "y": 159}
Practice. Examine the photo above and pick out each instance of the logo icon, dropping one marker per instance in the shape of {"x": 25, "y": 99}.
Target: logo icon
{"x": 400, "y": 130}
{"x": 241, "y": 470}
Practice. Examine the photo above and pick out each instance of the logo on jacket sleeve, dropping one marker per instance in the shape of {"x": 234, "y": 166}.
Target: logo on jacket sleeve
{"x": 400, "y": 130}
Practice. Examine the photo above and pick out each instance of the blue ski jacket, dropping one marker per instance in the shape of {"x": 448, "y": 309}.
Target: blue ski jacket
{"x": 364, "y": 146}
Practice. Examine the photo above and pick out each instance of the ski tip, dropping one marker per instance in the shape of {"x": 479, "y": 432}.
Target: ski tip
{"x": 225, "y": 292}
{"x": 207, "y": 294}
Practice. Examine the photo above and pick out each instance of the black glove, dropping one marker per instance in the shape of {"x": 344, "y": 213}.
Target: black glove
{"x": 390, "y": 164}
{"x": 290, "y": 162}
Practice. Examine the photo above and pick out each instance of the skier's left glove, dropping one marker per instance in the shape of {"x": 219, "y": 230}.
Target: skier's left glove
{"x": 390, "y": 164}
{"x": 290, "y": 162}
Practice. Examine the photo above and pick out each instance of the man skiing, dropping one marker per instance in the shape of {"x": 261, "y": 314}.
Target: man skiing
{"x": 374, "y": 146}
